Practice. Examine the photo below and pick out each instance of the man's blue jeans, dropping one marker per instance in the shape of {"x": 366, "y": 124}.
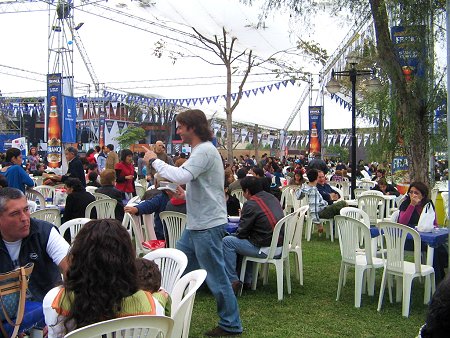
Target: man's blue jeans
{"x": 203, "y": 249}
{"x": 232, "y": 246}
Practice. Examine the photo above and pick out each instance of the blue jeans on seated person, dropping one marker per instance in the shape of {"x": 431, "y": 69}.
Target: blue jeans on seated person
{"x": 203, "y": 249}
{"x": 232, "y": 246}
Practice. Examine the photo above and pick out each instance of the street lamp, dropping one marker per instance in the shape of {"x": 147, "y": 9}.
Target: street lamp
{"x": 333, "y": 87}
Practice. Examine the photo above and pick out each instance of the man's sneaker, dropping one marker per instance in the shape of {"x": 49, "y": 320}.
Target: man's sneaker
{"x": 237, "y": 287}
{"x": 219, "y": 332}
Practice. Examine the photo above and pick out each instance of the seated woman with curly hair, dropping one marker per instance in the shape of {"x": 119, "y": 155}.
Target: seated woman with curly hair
{"x": 101, "y": 282}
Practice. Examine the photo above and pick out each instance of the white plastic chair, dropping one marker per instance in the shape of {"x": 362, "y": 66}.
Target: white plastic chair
{"x": 100, "y": 196}
{"x": 359, "y": 191}
{"x": 175, "y": 223}
{"x": 74, "y": 226}
{"x": 183, "y": 296}
{"x": 51, "y": 215}
{"x": 38, "y": 180}
{"x": 281, "y": 262}
{"x": 394, "y": 235}
{"x": 373, "y": 205}
{"x": 143, "y": 182}
{"x": 140, "y": 191}
{"x": 367, "y": 184}
{"x": 172, "y": 263}
{"x": 104, "y": 208}
{"x": 239, "y": 194}
{"x": 138, "y": 231}
{"x": 371, "y": 192}
{"x": 328, "y": 224}
{"x": 32, "y": 206}
{"x": 360, "y": 215}
{"x": 349, "y": 231}
{"x": 340, "y": 192}
{"x": 35, "y": 196}
{"x": 91, "y": 189}
{"x": 129, "y": 327}
{"x": 286, "y": 200}
{"x": 295, "y": 242}
{"x": 47, "y": 191}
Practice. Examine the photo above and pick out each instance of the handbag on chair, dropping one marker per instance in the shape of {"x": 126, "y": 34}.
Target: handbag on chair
{"x": 13, "y": 288}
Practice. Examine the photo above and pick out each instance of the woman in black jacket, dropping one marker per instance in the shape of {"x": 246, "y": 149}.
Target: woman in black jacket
{"x": 77, "y": 200}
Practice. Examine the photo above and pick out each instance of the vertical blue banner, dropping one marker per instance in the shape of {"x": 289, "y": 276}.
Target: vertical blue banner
{"x": 54, "y": 122}
{"x": 101, "y": 130}
{"x": 410, "y": 46}
{"x": 315, "y": 129}
{"x": 69, "y": 121}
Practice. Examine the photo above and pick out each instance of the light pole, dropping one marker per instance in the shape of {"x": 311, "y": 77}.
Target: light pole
{"x": 333, "y": 87}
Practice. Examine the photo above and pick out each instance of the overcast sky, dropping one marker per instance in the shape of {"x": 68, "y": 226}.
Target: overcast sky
{"x": 122, "y": 56}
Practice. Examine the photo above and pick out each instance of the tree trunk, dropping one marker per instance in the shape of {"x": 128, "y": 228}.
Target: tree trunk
{"x": 229, "y": 116}
{"x": 409, "y": 101}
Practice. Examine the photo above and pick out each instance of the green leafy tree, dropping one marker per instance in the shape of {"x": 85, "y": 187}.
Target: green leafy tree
{"x": 413, "y": 101}
{"x": 129, "y": 136}
{"x": 338, "y": 151}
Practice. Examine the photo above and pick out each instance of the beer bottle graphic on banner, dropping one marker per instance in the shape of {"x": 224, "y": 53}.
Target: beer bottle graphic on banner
{"x": 314, "y": 142}
{"x": 54, "y": 136}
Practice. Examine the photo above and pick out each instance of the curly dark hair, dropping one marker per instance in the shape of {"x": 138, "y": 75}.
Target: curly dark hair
{"x": 101, "y": 272}
{"x": 149, "y": 276}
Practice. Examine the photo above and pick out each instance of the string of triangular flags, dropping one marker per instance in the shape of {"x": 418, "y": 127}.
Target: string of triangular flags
{"x": 17, "y": 107}
{"x": 137, "y": 99}
{"x": 347, "y": 105}
{"x": 332, "y": 139}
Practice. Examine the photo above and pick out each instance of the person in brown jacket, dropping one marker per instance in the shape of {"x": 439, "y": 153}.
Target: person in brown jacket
{"x": 112, "y": 158}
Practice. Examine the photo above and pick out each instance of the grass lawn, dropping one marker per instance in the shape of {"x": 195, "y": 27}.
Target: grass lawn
{"x": 312, "y": 310}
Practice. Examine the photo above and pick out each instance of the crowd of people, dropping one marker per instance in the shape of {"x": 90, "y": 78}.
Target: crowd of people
{"x": 102, "y": 262}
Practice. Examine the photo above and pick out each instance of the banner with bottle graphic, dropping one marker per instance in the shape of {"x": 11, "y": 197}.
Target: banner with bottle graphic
{"x": 315, "y": 129}
{"x": 54, "y": 123}
{"x": 70, "y": 120}
{"x": 101, "y": 130}
{"x": 410, "y": 46}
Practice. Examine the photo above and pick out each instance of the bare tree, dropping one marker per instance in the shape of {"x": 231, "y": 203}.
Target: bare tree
{"x": 224, "y": 49}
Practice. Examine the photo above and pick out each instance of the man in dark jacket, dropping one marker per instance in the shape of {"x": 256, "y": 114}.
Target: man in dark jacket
{"x": 260, "y": 214}
{"x": 326, "y": 190}
{"x": 25, "y": 240}
{"x": 75, "y": 169}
